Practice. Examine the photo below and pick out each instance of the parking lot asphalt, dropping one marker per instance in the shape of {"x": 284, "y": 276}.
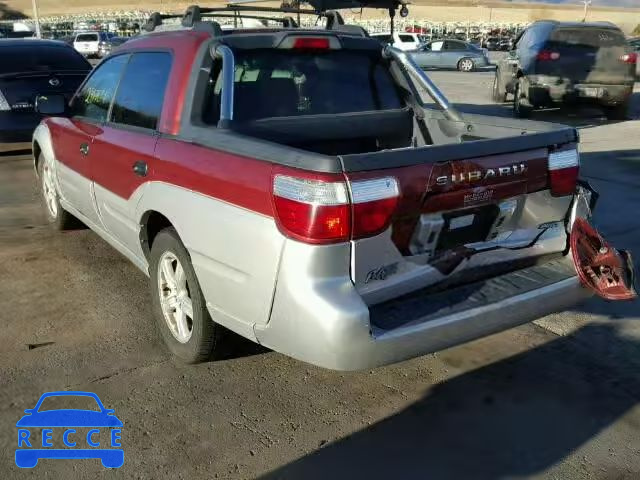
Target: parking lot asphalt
{"x": 555, "y": 399}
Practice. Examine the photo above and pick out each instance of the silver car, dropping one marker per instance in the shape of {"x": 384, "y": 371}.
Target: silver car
{"x": 464, "y": 56}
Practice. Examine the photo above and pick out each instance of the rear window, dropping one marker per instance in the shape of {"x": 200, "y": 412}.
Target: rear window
{"x": 87, "y": 37}
{"x": 588, "y": 38}
{"x": 40, "y": 58}
{"x": 271, "y": 83}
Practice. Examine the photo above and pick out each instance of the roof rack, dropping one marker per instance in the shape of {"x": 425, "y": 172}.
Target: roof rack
{"x": 194, "y": 15}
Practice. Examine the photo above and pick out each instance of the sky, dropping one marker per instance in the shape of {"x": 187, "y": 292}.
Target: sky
{"x": 602, "y": 3}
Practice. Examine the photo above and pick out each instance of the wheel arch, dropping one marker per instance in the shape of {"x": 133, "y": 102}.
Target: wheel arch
{"x": 152, "y": 222}
{"x": 41, "y": 145}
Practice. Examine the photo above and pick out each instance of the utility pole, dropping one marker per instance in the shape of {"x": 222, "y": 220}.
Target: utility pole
{"x": 586, "y": 3}
{"x": 35, "y": 17}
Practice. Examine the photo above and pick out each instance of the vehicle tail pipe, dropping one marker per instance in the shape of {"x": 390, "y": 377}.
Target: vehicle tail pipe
{"x": 224, "y": 53}
{"x": 412, "y": 70}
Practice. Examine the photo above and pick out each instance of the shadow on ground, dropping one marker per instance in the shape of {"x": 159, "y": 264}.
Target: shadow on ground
{"x": 513, "y": 418}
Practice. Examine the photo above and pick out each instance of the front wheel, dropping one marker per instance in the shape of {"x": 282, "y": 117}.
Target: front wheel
{"x": 179, "y": 306}
{"x": 466, "y": 65}
{"x": 57, "y": 216}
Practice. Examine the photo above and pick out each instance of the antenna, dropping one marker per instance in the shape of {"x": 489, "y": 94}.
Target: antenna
{"x": 587, "y": 4}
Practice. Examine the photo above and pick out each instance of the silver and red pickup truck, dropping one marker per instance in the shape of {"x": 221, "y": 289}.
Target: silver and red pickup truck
{"x": 319, "y": 196}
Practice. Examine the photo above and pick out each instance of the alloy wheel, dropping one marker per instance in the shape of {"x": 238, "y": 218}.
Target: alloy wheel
{"x": 49, "y": 190}
{"x": 175, "y": 299}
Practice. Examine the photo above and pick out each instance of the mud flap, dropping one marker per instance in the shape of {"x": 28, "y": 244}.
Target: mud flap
{"x": 600, "y": 267}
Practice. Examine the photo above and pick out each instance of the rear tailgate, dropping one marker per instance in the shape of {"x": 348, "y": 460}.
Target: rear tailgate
{"x": 588, "y": 54}
{"x": 465, "y": 214}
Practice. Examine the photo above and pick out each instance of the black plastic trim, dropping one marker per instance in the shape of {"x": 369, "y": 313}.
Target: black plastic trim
{"x": 456, "y": 151}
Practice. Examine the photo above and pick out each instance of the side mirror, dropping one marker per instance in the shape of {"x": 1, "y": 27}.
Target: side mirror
{"x": 54, "y": 104}
{"x": 29, "y": 410}
{"x": 513, "y": 53}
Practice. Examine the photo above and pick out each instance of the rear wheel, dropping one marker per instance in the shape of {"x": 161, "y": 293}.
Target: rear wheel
{"x": 521, "y": 106}
{"x": 179, "y": 306}
{"x": 466, "y": 65}
{"x": 499, "y": 93}
{"x": 57, "y": 216}
{"x": 619, "y": 112}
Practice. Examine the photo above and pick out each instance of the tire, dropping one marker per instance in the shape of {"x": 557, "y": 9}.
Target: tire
{"x": 57, "y": 216}
{"x": 498, "y": 92}
{"x": 466, "y": 65}
{"x": 191, "y": 341}
{"x": 619, "y": 112}
{"x": 521, "y": 106}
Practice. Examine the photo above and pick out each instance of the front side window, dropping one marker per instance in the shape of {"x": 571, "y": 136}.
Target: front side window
{"x": 454, "y": 46}
{"x": 93, "y": 100}
{"x": 140, "y": 95}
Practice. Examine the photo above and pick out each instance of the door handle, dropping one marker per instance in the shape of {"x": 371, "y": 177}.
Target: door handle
{"x": 84, "y": 149}
{"x": 140, "y": 169}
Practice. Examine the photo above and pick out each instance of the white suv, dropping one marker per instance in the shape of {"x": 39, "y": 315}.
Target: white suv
{"x": 88, "y": 43}
{"x": 402, "y": 40}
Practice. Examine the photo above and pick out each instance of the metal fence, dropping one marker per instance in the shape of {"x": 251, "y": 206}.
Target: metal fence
{"x": 128, "y": 23}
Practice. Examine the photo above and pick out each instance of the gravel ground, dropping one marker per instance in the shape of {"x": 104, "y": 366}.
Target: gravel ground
{"x": 555, "y": 399}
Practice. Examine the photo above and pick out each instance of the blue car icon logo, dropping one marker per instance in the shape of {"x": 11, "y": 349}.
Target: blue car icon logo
{"x": 41, "y": 433}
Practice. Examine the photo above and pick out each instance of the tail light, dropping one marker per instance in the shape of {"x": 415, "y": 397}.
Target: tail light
{"x": 547, "y": 56}
{"x": 631, "y": 58}
{"x": 306, "y": 42}
{"x": 374, "y": 201}
{"x": 4, "y": 105}
{"x": 321, "y": 212}
{"x": 564, "y": 166}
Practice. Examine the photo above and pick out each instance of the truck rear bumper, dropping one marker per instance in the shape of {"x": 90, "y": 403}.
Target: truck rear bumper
{"x": 325, "y": 322}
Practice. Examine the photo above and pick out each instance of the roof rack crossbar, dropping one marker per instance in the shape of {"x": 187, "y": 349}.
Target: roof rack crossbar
{"x": 254, "y": 17}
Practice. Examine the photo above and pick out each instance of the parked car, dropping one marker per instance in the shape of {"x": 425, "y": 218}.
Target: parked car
{"x": 30, "y": 68}
{"x": 89, "y": 43}
{"x": 448, "y": 53}
{"x": 400, "y": 40}
{"x": 555, "y": 63}
{"x": 505, "y": 44}
{"x": 296, "y": 187}
{"x": 635, "y": 45}
{"x": 110, "y": 45}
{"x": 492, "y": 43}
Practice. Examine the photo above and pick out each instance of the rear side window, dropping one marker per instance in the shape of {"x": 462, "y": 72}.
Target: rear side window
{"x": 406, "y": 38}
{"x": 140, "y": 95}
{"x": 87, "y": 37}
{"x": 276, "y": 83}
{"x": 41, "y": 58}
{"x": 586, "y": 38}
{"x": 93, "y": 100}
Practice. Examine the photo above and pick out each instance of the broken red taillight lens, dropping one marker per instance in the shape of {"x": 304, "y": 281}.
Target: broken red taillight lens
{"x": 321, "y": 212}
{"x": 564, "y": 167}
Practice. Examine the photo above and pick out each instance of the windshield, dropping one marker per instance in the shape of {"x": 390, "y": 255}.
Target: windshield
{"x": 276, "y": 83}
{"x": 40, "y": 58}
{"x": 67, "y": 402}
